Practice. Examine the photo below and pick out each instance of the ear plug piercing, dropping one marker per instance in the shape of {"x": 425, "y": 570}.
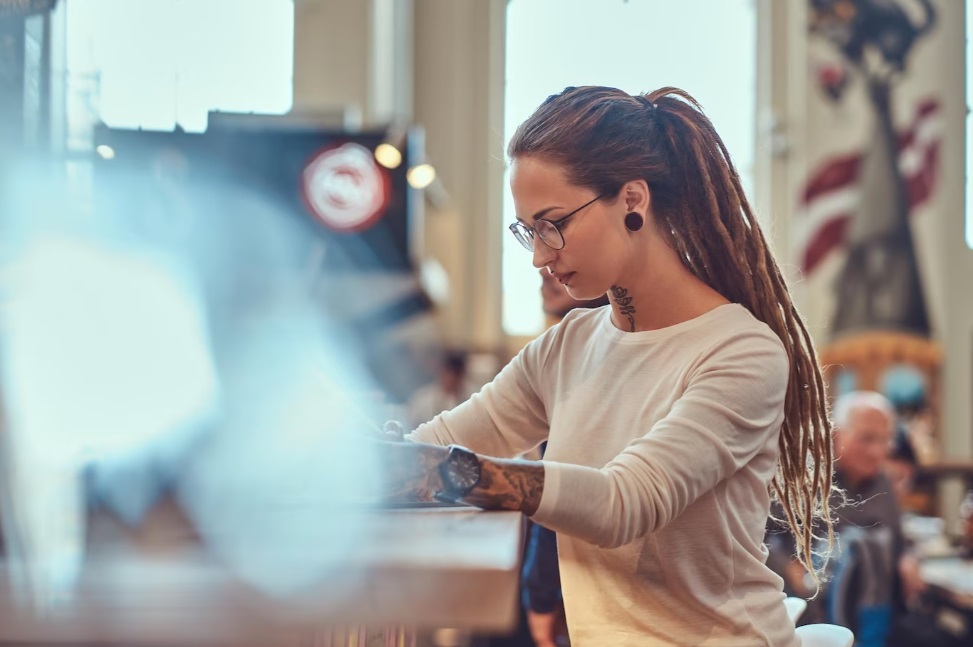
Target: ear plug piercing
{"x": 633, "y": 221}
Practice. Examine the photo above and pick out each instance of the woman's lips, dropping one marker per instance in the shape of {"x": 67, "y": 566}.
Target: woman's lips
{"x": 564, "y": 278}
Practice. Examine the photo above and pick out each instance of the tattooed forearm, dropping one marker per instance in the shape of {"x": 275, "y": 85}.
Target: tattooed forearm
{"x": 411, "y": 471}
{"x": 624, "y": 303}
{"x": 508, "y": 485}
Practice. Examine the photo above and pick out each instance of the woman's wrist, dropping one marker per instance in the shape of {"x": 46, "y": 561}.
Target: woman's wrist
{"x": 414, "y": 471}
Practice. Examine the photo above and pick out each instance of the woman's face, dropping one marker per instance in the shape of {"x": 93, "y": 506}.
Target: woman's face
{"x": 586, "y": 265}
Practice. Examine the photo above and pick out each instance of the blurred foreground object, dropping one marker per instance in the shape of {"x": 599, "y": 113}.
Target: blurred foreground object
{"x": 420, "y": 568}
{"x": 185, "y": 381}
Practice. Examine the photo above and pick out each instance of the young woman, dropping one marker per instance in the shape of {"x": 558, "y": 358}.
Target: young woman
{"x": 671, "y": 416}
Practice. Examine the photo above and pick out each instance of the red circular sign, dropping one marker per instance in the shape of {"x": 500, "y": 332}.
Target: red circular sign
{"x": 344, "y": 188}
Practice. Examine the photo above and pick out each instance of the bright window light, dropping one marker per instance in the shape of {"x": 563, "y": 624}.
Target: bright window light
{"x": 154, "y": 64}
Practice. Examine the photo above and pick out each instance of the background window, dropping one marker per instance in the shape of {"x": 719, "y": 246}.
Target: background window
{"x": 153, "y": 64}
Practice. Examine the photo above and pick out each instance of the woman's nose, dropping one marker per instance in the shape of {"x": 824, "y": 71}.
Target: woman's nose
{"x": 543, "y": 254}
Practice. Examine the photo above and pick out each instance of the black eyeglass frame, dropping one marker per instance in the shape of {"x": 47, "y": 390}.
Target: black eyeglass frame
{"x": 527, "y": 235}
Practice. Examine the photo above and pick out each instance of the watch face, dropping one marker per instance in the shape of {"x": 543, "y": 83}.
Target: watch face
{"x": 462, "y": 470}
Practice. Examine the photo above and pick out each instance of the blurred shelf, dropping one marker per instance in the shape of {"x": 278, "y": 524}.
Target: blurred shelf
{"x": 948, "y": 467}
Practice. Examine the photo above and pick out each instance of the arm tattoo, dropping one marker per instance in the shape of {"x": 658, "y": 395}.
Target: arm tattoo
{"x": 410, "y": 471}
{"x": 625, "y": 307}
{"x": 508, "y": 485}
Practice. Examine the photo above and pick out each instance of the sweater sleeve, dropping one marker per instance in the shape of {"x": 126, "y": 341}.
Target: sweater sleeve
{"x": 507, "y": 417}
{"x": 731, "y": 406}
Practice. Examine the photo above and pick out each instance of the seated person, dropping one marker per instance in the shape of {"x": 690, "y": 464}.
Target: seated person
{"x": 901, "y": 466}
{"x": 450, "y": 389}
{"x": 966, "y": 525}
{"x": 871, "y": 572}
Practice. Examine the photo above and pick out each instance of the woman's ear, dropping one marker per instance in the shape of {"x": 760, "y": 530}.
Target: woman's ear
{"x": 637, "y": 196}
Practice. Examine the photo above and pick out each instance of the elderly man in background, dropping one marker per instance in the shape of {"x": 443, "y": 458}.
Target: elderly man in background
{"x": 872, "y": 574}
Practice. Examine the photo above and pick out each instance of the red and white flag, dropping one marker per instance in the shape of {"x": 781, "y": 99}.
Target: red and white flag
{"x": 833, "y": 193}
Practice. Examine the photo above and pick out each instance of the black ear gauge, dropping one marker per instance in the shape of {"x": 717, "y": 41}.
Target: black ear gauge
{"x": 634, "y": 221}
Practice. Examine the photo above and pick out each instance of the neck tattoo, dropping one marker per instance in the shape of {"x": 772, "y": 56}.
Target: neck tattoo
{"x": 624, "y": 303}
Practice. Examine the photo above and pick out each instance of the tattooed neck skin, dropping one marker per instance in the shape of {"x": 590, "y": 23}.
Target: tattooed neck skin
{"x": 624, "y": 303}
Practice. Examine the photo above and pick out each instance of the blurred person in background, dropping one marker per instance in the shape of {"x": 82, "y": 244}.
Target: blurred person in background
{"x": 450, "y": 389}
{"x": 966, "y": 525}
{"x": 901, "y": 466}
{"x": 874, "y": 575}
{"x": 557, "y": 302}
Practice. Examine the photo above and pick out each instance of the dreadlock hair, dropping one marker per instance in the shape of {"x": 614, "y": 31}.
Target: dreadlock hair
{"x": 604, "y": 137}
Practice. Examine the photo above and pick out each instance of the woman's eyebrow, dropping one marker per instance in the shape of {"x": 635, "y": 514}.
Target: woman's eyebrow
{"x": 543, "y": 212}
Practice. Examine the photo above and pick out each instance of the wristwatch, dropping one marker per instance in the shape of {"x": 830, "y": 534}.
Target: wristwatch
{"x": 460, "y": 471}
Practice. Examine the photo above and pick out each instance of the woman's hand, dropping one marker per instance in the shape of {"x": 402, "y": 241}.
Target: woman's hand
{"x": 393, "y": 431}
{"x": 912, "y": 583}
{"x": 410, "y": 471}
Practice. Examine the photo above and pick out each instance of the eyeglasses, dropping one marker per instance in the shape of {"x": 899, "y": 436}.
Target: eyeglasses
{"x": 549, "y": 231}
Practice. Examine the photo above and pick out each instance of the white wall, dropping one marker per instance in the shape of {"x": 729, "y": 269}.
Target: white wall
{"x": 331, "y": 54}
{"x": 459, "y": 63}
{"x": 955, "y": 259}
{"x": 779, "y": 165}
{"x": 353, "y": 55}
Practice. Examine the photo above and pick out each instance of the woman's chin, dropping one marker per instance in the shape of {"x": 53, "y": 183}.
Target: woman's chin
{"x": 580, "y": 293}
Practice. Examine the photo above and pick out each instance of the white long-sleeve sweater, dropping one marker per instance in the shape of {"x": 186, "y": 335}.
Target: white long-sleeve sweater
{"x": 661, "y": 447}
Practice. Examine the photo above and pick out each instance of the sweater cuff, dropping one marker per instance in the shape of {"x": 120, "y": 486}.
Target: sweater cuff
{"x": 431, "y": 433}
{"x": 550, "y": 494}
{"x": 572, "y": 496}
{"x": 576, "y": 501}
